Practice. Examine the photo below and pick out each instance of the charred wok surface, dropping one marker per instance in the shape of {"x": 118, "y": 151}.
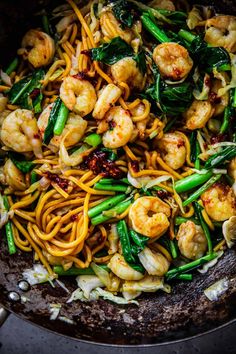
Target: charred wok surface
{"x": 159, "y": 317}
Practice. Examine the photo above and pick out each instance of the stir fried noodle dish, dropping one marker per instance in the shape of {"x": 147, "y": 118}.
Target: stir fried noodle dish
{"x": 118, "y": 145}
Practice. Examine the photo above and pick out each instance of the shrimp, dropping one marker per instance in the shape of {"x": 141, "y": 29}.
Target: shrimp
{"x": 14, "y": 178}
{"x": 122, "y": 270}
{"x": 173, "y": 150}
{"x": 126, "y": 70}
{"x": 3, "y": 103}
{"x": 220, "y": 102}
{"x": 173, "y": 60}
{"x": 232, "y": 168}
{"x": 119, "y": 128}
{"x": 20, "y": 132}
{"x": 149, "y": 216}
{"x": 162, "y": 4}
{"x": 75, "y": 125}
{"x": 107, "y": 98}
{"x": 221, "y": 32}
{"x": 198, "y": 114}
{"x": 219, "y": 202}
{"x": 154, "y": 262}
{"x": 78, "y": 95}
{"x": 111, "y": 28}
{"x": 38, "y": 47}
{"x": 192, "y": 241}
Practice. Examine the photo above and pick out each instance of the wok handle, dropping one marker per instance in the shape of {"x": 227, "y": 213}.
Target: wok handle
{"x": 3, "y": 315}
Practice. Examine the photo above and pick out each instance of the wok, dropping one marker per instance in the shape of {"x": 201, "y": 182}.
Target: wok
{"x": 160, "y": 317}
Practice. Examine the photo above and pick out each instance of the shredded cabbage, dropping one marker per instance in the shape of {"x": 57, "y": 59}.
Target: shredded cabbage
{"x": 217, "y": 289}
{"x": 37, "y": 275}
{"x": 98, "y": 292}
{"x": 54, "y": 311}
{"x": 87, "y": 283}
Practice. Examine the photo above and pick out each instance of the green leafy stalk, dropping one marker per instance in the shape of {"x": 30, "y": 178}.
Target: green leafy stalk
{"x": 139, "y": 239}
{"x": 229, "y": 113}
{"x": 187, "y": 277}
{"x": 220, "y": 158}
{"x": 201, "y": 190}
{"x": 33, "y": 177}
{"x": 118, "y": 209}
{"x": 114, "y": 181}
{"x": 152, "y": 28}
{"x": 111, "y": 187}
{"x": 107, "y": 204}
{"x": 190, "y": 266}
{"x": 173, "y": 249}
{"x": 195, "y": 150}
{"x": 93, "y": 140}
{"x": 46, "y": 25}
{"x": 125, "y": 241}
{"x": 9, "y": 230}
{"x": 48, "y": 134}
{"x": 62, "y": 117}
{"x": 198, "y": 210}
{"x": 193, "y": 181}
{"x": 12, "y": 66}
{"x": 180, "y": 220}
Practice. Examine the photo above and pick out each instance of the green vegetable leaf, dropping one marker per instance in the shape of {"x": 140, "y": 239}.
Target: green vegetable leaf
{"x": 48, "y": 134}
{"x": 171, "y": 99}
{"x": 124, "y": 11}
{"x": 112, "y": 52}
{"x": 212, "y": 57}
{"x": 27, "y": 92}
{"x": 141, "y": 61}
{"x": 176, "y": 98}
{"x": 20, "y": 163}
{"x": 176, "y": 17}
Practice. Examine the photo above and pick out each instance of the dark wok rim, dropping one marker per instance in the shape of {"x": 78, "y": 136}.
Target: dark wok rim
{"x": 89, "y": 342}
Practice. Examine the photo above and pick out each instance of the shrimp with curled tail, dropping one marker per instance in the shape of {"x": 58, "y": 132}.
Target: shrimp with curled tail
{"x": 78, "y": 95}
{"x": 173, "y": 61}
{"x": 192, "y": 242}
{"x": 126, "y": 70}
{"x": 149, "y": 216}
{"x": 173, "y": 150}
{"x": 20, "y": 132}
{"x": 118, "y": 128}
{"x": 198, "y": 114}
{"x": 38, "y": 47}
{"x": 219, "y": 201}
{"x": 221, "y": 32}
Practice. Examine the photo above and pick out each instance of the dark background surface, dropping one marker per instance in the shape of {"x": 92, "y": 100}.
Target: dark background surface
{"x": 18, "y": 337}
